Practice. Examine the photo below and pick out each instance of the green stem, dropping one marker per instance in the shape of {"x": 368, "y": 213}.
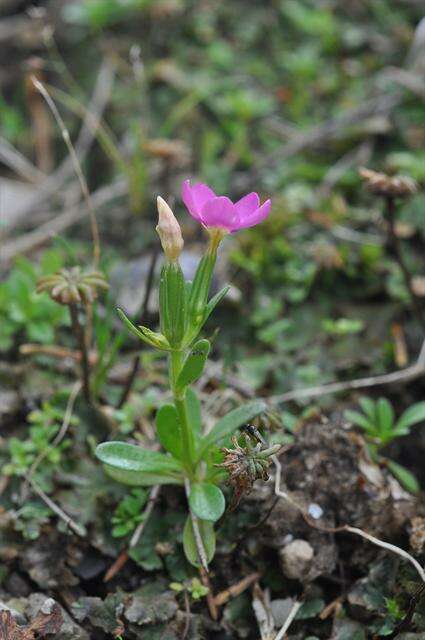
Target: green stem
{"x": 176, "y": 362}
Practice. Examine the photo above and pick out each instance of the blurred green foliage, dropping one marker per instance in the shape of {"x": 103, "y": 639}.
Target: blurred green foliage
{"x": 23, "y": 312}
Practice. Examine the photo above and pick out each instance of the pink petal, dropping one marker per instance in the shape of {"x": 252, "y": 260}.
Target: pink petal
{"x": 219, "y": 212}
{"x": 188, "y": 199}
{"x": 256, "y": 216}
{"x": 196, "y": 196}
{"x": 247, "y": 205}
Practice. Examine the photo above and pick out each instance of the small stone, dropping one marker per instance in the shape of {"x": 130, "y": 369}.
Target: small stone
{"x": 47, "y": 606}
{"x": 417, "y": 534}
{"x": 418, "y": 286}
{"x": 315, "y": 511}
{"x": 296, "y": 559}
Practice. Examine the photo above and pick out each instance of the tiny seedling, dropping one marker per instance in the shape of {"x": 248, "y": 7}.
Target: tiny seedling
{"x": 191, "y": 456}
{"x": 194, "y": 587}
{"x": 128, "y": 513}
{"x": 381, "y": 427}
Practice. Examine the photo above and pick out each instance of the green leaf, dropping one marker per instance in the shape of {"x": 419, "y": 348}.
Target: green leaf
{"x": 412, "y": 415}
{"x": 368, "y": 407}
{"x": 156, "y": 340}
{"x": 206, "y": 529}
{"x": 230, "y": 422}
{"x": 169, "y": 430}
{"x": 215, "y": 300}
{"x": 193, "y": 407}
{"x": 360, "y": 420}
{"x": 194, "y": 364}
{"x": 310, "y": 609}
{"x": 404, "y": 476}
{"x": 172, "y": 302}
{"x": 200, "y": 288}
{"x": 130, "y": 457}
{"x": 207, "y": 501}
{"x": 385, "y": 415}
{"x": 139, "y": 478}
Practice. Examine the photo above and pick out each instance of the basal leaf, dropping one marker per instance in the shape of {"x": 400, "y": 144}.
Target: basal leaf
{"x": 206, "y": 530}
{"x": 130, "y": 457}
{"x": 207, "y": 501}
{"x": 404, "y": 476}
{"x": 139, "y": 478}
{"x": 412, "y": 415}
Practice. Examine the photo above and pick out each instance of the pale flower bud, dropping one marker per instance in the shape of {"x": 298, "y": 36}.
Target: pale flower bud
{"x": 169, "y": 231}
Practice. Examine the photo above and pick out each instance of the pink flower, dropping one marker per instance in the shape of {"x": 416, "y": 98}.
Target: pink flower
{"x": 220, "y": 211}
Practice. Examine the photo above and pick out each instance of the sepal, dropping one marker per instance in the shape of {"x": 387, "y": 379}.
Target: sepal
{"x": 151, "y": 338}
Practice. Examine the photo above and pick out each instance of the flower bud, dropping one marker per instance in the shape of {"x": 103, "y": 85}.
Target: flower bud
{"x": 169, "y": 231}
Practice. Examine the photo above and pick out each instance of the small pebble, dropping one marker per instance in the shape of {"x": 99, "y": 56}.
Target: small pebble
{"x": 47, "y": 607}
{"x": 315, "y": 511}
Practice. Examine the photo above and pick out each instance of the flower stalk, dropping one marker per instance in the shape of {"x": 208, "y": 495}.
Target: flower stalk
{"x": 80, "y": 337}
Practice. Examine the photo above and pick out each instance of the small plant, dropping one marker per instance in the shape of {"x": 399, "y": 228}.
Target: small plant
{"x": 76, "y": 289}
{"x": 379, "y": 422}
{"x": 128, "y": 514}
{"x": 194, "y": 587}
{"x": 192, "y": 457}
{"x": 22, "y": 312}
{"x": 45, "y": 425}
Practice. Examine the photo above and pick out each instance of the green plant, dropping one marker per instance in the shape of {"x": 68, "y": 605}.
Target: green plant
{"x": 128, "y": 513}
{"x": 23, "y": 454}
{"x": 194, "y": 587}
{"x": 191, "y": 457}
{"x": 379, "y": 422}
{"x": 22, "y": 311}
{"x": 30, "y": 518}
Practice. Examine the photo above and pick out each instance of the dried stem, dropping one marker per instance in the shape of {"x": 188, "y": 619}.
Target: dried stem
{"x": 123, "y": 557}
{"x": 236, "y": 589}
{"x": 345, "y": 528}
{"x": 395, "y": 245}
{"x": 82, "y": 345}
{"x": 388, "y": 546}
{"x": 293, "y": 612}
{"x": 196, "y": 532}
{"x": 153, "y": 497}
{"x": 61, "y": 433}
{"x": 79, "y": 529}
{"x": 203, "y": 569}
{"x": 77, "y": 167}
{"x": 187, "y": 615}
{"x": 415, "y": 370}
{"x": 212, "y": 607}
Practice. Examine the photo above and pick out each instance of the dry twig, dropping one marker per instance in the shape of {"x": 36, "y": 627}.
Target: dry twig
{"x": 415, "y": 370}
{"x": 48, "y": 230}
{"x": 61, "y": 433}
{"x": 345, "y": 528}
{"x": 77, "y": 168}
{"x": 293, "y": 612}
{"x": 53, "y": 183}
{"x": 236, "y": 589}
{"x": 123, "y": 556}
{"x": 79, "y": 529}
